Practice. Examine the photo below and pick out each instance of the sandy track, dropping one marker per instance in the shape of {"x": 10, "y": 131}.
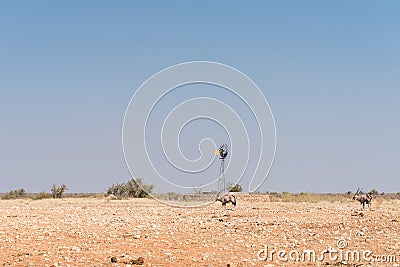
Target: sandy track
{"x": 88, "y": 232}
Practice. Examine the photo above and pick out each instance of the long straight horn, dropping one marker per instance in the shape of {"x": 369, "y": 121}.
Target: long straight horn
{"x": 354, "y": 197}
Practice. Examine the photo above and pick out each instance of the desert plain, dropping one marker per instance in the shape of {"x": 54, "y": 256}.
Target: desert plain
{"x": 143, "y": 232}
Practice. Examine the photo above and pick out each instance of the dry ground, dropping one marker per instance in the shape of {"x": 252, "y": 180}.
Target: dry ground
{"x": 89, "y": 232}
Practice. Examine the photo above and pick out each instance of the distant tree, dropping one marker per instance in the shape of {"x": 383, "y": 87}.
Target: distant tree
{"x": 234, "y": 187}
{"x": 21, "y": 193}
{"x": 58, "y": 191}
{"x": 16, "y": 193}
{"x": 118, "y": 190}
{"x": 373, "y": 192}
{"x": 133, "y": 188}
{"x": 198, "y": 190}
{"x": 138, "y": 189}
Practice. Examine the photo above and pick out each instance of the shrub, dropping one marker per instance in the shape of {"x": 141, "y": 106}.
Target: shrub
{"x": 42, "y": 195}
{"x": 138, "y": 189}
{"x": 14, "y": 194}
{"x": 198, "y": 190}
{"x": 373, "y": 192}
{"x": 133, "y": 188}
{"x": 58, "y": 191}
{"x": 234, "y": 187}
{"x": 118, "y": 190}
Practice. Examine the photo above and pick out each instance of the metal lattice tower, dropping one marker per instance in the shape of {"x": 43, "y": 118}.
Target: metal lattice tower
{"x": 223, "y": 153}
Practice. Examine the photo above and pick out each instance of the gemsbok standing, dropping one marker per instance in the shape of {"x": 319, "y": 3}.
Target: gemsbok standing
{"x": 363, "y": 198}
{"x": 226, "y": 199}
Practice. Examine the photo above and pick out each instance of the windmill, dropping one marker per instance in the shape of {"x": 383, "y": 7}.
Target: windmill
{"x": 223, "y": 153}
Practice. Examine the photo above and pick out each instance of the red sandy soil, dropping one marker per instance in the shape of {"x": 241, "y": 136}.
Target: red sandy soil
{"x": 89, "y": 232}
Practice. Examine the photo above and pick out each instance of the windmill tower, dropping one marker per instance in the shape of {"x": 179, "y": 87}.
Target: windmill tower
{"x": 223, "y": 153}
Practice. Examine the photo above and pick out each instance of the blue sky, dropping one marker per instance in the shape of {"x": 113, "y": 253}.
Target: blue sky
{"x": 330, "y": 71}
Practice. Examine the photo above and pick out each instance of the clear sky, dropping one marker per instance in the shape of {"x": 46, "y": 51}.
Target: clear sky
{"x": 329, "y": 69}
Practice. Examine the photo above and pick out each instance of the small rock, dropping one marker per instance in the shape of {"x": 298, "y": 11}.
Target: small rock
{"x": 138, "y": 261}
{"x": 113, "y": 259}
{"x": 357, "y": 213}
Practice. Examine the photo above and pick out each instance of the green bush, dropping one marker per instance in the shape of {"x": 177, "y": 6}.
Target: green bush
{"x": 138, "y": 189}
{"x": 133, "y": 188}
{"x": 234, "y": 187}
{"x": 118, "y": 190}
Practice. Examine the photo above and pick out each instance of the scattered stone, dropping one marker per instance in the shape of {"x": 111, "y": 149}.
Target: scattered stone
{"x": 357, "y": 213}
{"x": 361, "y": 233}
{"x": 62, "y": 232}
{"x": 138, "y": 261}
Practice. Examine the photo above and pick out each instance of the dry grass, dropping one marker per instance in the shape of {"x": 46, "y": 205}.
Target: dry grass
{"x": 308, "y": 197}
